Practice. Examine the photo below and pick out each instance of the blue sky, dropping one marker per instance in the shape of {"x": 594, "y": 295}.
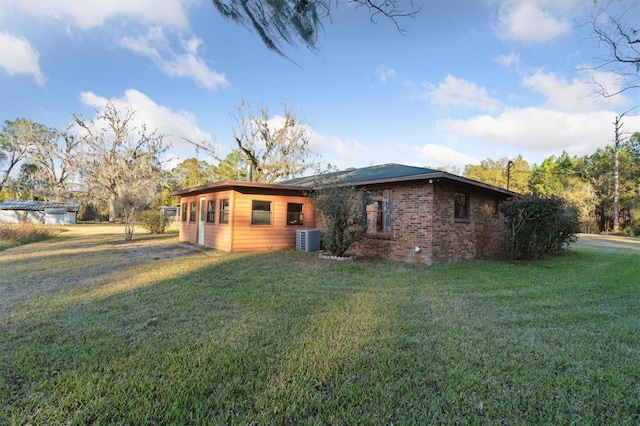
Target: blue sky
{"x": 468, "y": 80}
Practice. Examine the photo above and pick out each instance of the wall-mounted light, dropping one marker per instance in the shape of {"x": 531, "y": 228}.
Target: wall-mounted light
{"x": 417, "y": 249}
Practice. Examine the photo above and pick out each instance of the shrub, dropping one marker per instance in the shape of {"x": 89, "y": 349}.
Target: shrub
{"x": 538, "y": 226}
{"x": 342, "y": 214}
{"x": 154, "y": 221}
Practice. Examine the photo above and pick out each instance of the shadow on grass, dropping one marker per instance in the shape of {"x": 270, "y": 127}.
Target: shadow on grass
{"x": 284, "y": 338}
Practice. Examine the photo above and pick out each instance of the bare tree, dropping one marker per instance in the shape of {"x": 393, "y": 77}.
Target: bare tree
{"x": 54, "y": 162}
{"x": 276, "y": 149}
{"x": 117, "y": 157}
{"x": 15, "y": 141}
{"x": 283, "y": 22}
{"x": 618, "y": 37}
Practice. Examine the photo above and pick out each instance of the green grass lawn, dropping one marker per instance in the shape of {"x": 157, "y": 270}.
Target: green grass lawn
{"x": 95, "y": 331}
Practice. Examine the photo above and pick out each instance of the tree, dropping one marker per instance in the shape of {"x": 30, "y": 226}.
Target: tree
{"x": 233, "y": 166}
{"x": 277, "y": 148}
{"x": 284, "y": 22}
{"x": 617, "y": 30}
{"x": 342, "y": 215}
{"x": 118, "y": 161}
{"x": 501, "y": 173}
{"x": 49, "y": 167}
{"x": 15, "y": 141}
{"x": 54, "y": 163}
{"x": 192, "y": 172}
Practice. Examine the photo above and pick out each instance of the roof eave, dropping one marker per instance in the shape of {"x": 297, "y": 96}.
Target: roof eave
{"x": 232, "y": 184}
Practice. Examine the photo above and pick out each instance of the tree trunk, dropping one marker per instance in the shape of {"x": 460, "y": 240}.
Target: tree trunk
{"x": 616, "y": 176}
{"x": 112, "y": 207}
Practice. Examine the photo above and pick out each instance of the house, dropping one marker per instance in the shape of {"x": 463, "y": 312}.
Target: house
{"x": 47, "y": 212}
{"x": 414, "y": 214}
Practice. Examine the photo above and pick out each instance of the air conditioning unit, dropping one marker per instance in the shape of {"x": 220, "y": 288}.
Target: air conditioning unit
{"x": 307, "y": 239}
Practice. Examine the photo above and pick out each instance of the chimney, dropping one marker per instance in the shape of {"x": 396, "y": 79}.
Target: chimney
{"x": 249, "y": 170}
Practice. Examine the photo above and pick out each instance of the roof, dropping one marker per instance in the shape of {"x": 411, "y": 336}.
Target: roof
{"x": 240, "y": 185}
{"x": 381, "y": 174}
{"x": 38, "y": 205}
{"x": 393, "y": 173}
{"x": 365, "y": 174}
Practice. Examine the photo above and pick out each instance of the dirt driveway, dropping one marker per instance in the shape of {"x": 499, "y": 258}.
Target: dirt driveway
{"x": 608, "y": 243}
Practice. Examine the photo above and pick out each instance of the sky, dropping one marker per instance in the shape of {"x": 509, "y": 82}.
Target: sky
{"x": 466, "y": 80}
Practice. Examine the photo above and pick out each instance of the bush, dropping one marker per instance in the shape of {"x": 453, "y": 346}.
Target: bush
{"x": 538, "y": 226}
{"x": 153, "y": 221}
{"x": 342, "y": 215}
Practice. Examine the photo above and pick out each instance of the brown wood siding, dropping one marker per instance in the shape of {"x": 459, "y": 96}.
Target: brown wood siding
{"x": 218, "y": 235}
{"x": 188, "y": 230}
{"x": 278, "y": 234}
{"x": 239, "y": 234}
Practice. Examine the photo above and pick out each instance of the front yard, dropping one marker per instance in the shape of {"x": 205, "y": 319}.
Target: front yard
{"x": 95, "y": 331}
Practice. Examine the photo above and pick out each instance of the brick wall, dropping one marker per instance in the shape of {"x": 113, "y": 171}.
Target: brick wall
{"x": 423, "y": 216}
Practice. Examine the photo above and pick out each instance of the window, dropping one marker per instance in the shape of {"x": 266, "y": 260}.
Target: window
{"x": 461, "y": 205}
{"x": 260, "y": 212}
{"x": 192, "y": 211}
{"x": 294, "y": 214}
{"x": 184, "y": 212}
{"x": 379, "y": 212}
{"x": 224, "y": 211}
{"x": 211, "y": 211}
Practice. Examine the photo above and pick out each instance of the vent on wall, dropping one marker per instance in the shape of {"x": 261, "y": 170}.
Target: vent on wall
{"x": 307, "y": 240}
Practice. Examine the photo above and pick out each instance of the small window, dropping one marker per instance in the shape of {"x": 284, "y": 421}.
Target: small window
{"x": 294, "y": 214}
{"x": 496, "y": 207}
{"x": 260, "y": 212}
{"x": 192, "y": 211}
{"x": 224, "y": 211}
{"x": 379, "y": 212}
{"x": 184, "y": 212}
{"x": 211, "y": 211}
{"x": 461, "y": 205}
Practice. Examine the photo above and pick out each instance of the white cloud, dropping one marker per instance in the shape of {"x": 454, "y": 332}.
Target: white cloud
{"x": 542, "y": 130}
{"x": 175, "y": 125}
{"x": 575, "y": 96}
{"x": 534, "y": 21}
{"x": 155, "y": 46}
{"x": 89, "y": 14}
{"x": 385, "y": 73}
{"x": 19, "y": 57}
{"x": 512, "y": 60}
{"x": 437, "y": 155}
{"x": 337, "y": 152}
{"x": 460, "y": 93}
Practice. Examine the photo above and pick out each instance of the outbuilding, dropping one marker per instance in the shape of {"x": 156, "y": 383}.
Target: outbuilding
{"x": 46, "y": 212}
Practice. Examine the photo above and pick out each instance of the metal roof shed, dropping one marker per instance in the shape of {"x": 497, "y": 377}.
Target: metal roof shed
{"x": 47, "y": 212}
